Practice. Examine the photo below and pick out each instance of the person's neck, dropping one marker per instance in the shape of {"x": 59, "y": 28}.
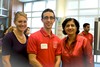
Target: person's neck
{"x": 48, "y": 31}
{"x": 71, "y": 37}
{"x": 85, "y": 32}
{"x": 20, "y": 33}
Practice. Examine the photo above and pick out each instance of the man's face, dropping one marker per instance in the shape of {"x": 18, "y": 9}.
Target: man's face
{"x": 87, "y": 28}
{"x": 48, "y": 20}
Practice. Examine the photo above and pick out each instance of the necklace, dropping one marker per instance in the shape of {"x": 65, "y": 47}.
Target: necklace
{"x": 20, "y": 38}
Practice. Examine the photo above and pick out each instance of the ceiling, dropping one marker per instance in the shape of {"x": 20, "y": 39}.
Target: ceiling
{"x": 28, "y": 0}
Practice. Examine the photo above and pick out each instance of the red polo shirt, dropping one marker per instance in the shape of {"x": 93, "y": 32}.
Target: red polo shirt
{"x": 89, "y": 36}
{"x": 78, "y": 54}
{"x": 45, "y": 47}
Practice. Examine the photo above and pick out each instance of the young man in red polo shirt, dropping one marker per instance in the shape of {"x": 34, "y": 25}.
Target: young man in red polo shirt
{"x": 85, "y": 33}
{"x": 43, "y": 46}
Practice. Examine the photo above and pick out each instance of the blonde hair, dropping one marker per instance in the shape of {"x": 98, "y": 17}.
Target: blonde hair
{"x": 19, "y": 14}
{"x": 10, "y": 29}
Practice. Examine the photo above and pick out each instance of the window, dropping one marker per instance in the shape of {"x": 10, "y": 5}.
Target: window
{"x": 38, "y": 6}
{"x": 51, "y": 6}
{"x": 88, "y": 4}
{"x": 36, "y": 22}
{"x": 34, "y": 10}
{"x": 27, "y": 7}
{"x": 84, "y": 11}
{"x": 72, "y": 4}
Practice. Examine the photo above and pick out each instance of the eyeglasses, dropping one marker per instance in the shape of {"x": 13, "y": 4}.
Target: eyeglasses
{"x": 51, "y": 18}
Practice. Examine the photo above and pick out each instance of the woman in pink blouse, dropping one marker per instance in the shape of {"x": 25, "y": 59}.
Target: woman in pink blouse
{"x": 76, "y": 50}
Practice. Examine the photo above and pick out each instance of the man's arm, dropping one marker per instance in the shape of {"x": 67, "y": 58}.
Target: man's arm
{"x": 33, "y": 61}
{"x": 57, "y": 61}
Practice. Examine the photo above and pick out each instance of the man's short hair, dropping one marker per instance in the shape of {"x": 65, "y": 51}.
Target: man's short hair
{"x": 85, "y": 24}
{"x": 47, "y": 10}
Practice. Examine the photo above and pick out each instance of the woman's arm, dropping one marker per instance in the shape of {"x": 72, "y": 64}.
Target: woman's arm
{"x": 6, "y": 61}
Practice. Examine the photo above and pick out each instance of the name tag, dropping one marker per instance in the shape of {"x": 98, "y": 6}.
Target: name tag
{"x": 44, "y": 46}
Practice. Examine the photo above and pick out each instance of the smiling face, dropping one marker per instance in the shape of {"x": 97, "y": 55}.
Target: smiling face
{"x": 70, "y": 28}
{"x": 21, "y": 23}
{"x": 48, "y": 20}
